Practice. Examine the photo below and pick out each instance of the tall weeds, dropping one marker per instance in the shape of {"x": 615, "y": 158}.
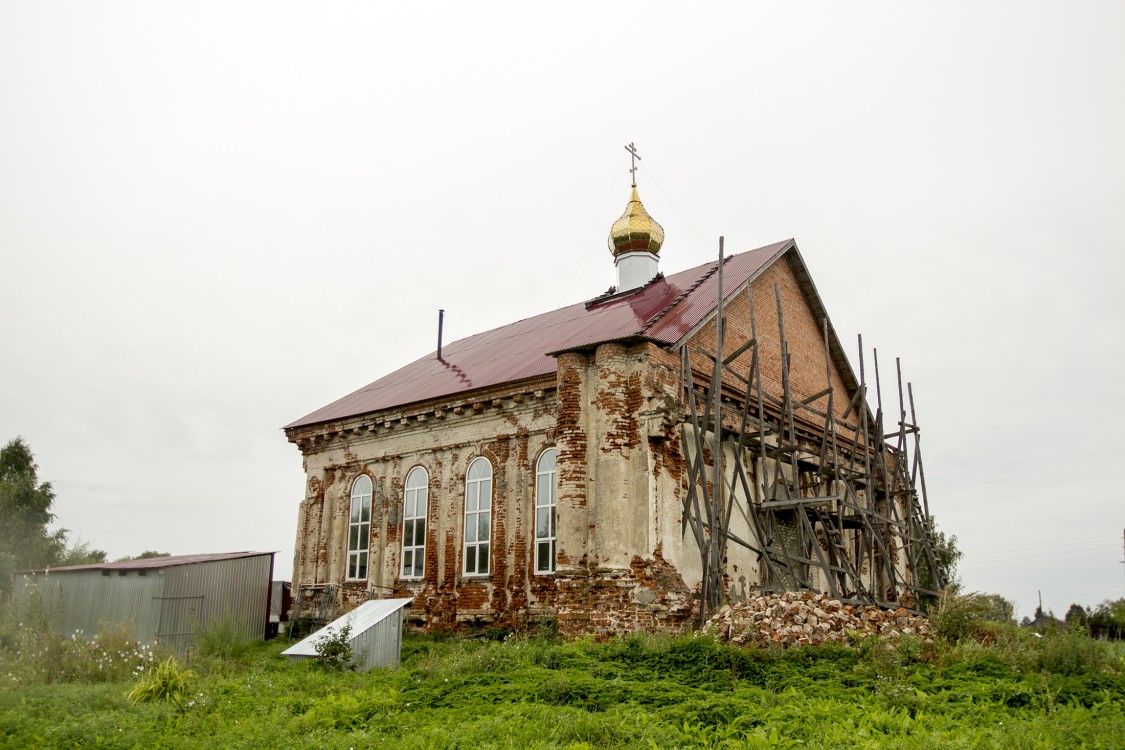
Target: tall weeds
{"x": 36, "y": 658}
{"x": 958, "y": 616}
{"x": 168, "y": 682}
{"x": 223, "y": 639}
{"x": 1072, "y": 652}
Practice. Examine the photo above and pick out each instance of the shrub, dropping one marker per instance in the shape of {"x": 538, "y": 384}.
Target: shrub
{"x": 879, "y": 658}
{"x": 335, "y": 649}
{"x": 1072, "y": 653}
{"x": 9, "y": 629}
{"x": 496, "y": 634}
{"x": 999, "y": 609}
{"x": 547, "y": 628}
{"x": 168, "y": 682}
{"x": 958, "y": 616}
{"x": 1017, "y": 647}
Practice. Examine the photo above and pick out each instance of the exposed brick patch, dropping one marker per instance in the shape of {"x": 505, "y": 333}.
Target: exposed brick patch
{"x": 648, "y": 596}
{"x": 617, "y": 398}
{"x": 570, "y": 432}
{"x": 803, "y": 333}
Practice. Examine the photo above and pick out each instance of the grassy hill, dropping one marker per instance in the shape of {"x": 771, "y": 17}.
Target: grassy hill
{"x": 1019, "y": 691}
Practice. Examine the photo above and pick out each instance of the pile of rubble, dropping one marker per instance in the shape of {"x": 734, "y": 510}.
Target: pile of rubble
{"x": 804, "y": 618}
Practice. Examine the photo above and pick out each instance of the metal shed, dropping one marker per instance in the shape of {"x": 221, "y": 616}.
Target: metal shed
{"x": 375, "y": 636}
{"x": 164, "y": 600}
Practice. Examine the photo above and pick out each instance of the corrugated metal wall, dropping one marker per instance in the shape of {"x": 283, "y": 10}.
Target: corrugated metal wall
{"x": 89, "y": 601}
{"x": 199, "y": 595}
{"x": 379, "y": 645}
{"x": 166, "y": 605}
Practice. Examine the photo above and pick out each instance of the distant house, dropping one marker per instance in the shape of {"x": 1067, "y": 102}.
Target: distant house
{"x": 165, "y": 600}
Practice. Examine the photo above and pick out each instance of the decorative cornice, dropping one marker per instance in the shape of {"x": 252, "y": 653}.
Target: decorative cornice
{"x": 529, "y": 395}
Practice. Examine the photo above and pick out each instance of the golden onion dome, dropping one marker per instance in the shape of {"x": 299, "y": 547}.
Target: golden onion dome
{"x": 635, "y": 230}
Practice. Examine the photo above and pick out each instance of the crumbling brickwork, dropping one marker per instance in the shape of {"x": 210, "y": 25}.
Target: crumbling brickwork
{"x": 616, "y": 414}
{"x": 648, "y": 596}
{"x": 613, "y": 417}
{"x": 510, "y": 428}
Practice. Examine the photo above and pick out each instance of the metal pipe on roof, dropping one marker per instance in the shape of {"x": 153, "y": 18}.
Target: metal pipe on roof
{"x": 440, "y": 321}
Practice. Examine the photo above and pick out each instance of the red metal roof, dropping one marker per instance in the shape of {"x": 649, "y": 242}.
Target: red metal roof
{"x": 663, "y": 311}
{"x": 155, "y": 562}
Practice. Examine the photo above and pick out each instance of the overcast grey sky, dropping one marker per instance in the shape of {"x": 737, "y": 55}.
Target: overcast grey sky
{"x": 216, "y": 217}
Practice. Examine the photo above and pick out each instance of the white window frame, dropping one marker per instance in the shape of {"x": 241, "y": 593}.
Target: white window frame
{"x": 478, "y": 518}
{"x": 359, "y": 528}
{"x": 546, "y": 498}
{"x": 415, "y": 506}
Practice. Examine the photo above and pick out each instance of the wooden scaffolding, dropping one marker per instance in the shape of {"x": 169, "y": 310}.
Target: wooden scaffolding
{"x": 831, "y": 503}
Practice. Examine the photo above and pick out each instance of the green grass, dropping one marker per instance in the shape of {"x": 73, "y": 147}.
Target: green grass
{"x": 638, "y": 692}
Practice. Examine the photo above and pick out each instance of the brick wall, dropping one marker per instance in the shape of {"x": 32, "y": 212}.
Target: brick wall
{"x": 510, "y": 430}
{"x": 808, "y": 374}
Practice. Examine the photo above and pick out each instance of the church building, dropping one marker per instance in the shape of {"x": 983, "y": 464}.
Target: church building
{"x": 600, "y": 466}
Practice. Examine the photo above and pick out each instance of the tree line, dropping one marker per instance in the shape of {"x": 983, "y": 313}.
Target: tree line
{"x": 26, "y": 539}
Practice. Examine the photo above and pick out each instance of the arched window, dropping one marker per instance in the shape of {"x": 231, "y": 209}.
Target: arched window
{"x": 545, "y": 489}
{"x": 478, "y": 516}
{"x": 359, "y": 528}
{"x": 414, "y": 506}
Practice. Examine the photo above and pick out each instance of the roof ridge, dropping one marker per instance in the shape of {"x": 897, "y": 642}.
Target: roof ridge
{"x": 668, "y": 308}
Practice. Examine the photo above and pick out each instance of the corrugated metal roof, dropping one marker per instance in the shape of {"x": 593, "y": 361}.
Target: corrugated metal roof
{"x": 362, "y": 618}
{"x": 155, "y": 562}
{"x": 663, "y": 311}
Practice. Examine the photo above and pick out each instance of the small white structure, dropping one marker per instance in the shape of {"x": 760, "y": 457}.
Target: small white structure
{"x": 375, "y": 635}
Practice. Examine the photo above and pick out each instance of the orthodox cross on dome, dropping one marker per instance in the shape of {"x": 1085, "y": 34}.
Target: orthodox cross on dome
{"x": 634, "y": 157}
{"x": 635, "y": 231}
